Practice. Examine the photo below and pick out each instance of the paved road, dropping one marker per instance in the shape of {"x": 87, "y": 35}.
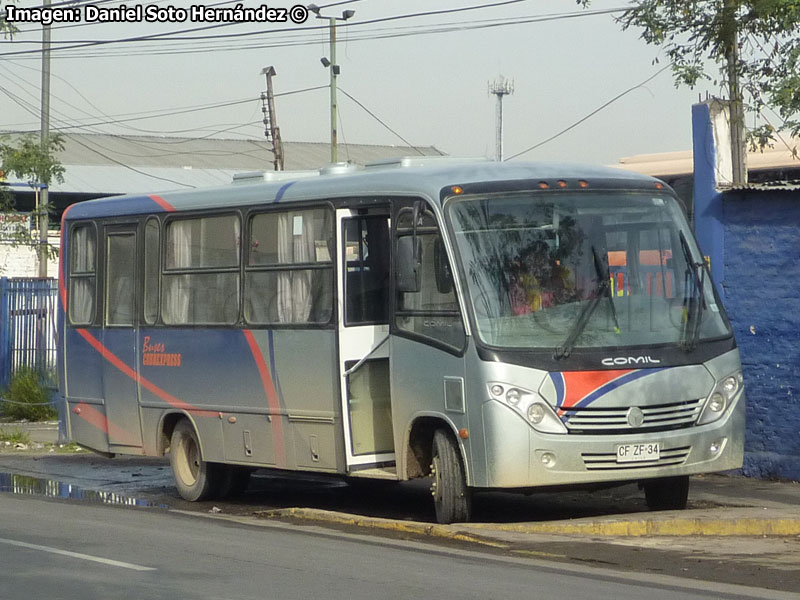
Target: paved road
{"x": 68, "y": 550}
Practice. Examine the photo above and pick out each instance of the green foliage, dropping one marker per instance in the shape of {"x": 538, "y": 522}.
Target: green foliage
{"x": 28, "y": 159}
{"x": 7, "y": 29}
{"x": 766, "y": 34}
{"x": 28, "y": 397}
{"x": 31, "y": 160}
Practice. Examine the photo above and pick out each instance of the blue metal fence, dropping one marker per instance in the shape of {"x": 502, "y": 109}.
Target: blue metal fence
{"x": 28, "y": 311}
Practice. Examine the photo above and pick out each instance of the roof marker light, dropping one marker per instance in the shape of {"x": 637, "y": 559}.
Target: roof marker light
{"x": 562, "y": 183}
{"x": 583, "y": 183}
{"x": 457, "y": 190}
{"x": 659, "y": 185}
{"x": 543, "y": 185}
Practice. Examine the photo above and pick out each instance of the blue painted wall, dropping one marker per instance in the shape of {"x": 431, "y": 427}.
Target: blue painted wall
{"x": 752, "y": 238}
{"x": 708, "y": 223}
{"x": 762, "y": 297}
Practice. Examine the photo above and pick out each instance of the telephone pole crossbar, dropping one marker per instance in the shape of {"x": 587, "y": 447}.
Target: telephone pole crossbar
{"x": 271, "y": 129}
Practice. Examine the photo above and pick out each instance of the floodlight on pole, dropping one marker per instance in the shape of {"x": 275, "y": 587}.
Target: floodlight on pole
{"x": 330, "y": 63}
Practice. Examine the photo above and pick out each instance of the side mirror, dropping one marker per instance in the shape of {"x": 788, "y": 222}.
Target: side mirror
{"x": 408, "y": 264}
{"x": 441, "y": 266}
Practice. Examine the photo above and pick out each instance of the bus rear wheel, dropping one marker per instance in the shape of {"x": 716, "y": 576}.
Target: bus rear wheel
{"x": 668, "y": 493}
{"x": 195, "y": 478}
{"x": 452, "y": 498}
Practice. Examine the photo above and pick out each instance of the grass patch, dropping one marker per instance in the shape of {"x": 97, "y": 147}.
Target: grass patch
{"x": 15, "y": 436}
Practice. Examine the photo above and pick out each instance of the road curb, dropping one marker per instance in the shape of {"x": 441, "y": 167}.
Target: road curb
{"x": 486, "y": 534}
{"x": 744, "y": 527}
{"x": 410, "y": 527}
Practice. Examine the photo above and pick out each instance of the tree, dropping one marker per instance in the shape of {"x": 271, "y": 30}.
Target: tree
{"x": 30, "y": 160}
{"x": 6, "y": 29}
{"x": 755, "y": 43}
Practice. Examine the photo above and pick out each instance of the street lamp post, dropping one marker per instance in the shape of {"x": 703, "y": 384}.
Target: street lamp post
{"x": 330, "y": 63}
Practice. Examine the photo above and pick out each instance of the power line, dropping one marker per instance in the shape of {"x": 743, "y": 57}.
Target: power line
{"x": 135, "y": 170}
{"x": 591, "y": 114}
{"x": 300, "y": 37}
{"x": 177, "y": 36}
{"x": 379, "y": 120}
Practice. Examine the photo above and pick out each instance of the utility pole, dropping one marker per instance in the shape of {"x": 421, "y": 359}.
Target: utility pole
{"x": 738, "y": 148}
{"x": 271, "y": 129}
{"x": 500, "y": 87}
{"x": 44, "y": 135}
{"x": 330, "y": 63}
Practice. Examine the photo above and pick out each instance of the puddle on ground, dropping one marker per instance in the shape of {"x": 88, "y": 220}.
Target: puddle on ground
{"x": 24, "y": 485}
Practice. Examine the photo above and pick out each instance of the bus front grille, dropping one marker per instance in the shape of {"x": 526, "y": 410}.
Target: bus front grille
{"x": 662, "y": 417}
{"x": 608, "y": 461}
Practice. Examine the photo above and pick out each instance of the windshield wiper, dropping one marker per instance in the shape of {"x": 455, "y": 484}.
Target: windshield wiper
{"x": 694, "y": 304}
{"x": 603, "y": 288}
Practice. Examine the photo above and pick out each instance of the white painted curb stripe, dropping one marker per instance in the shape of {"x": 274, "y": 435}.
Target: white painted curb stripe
{"x": 97, "y": 559}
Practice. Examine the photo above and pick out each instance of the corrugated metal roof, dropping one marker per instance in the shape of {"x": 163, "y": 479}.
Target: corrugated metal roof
{"x": 671, "y": 164}
{"x": 773, "y": 186}
{"x": 114, "y": 164}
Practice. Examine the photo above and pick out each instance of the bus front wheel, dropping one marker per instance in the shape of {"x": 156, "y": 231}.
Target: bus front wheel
{"x": 194, "y": 477}
{"x": 668, "y": 493}
{"x": 451, "y": 496}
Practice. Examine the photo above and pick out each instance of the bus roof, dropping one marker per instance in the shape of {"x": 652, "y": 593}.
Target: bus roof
{"x": 421, "y": 176}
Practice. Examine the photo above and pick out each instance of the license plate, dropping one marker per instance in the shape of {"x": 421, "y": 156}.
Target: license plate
{"x": 627, "y": 453}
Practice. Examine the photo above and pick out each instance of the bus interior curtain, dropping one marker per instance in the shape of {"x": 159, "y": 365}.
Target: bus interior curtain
{"x": 295, "y": 246}
{"x": 82, "y": 292}
{"x": 176, "y": 302}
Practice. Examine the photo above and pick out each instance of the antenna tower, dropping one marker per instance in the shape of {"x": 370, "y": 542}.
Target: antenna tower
{"x": 500, "y": 87}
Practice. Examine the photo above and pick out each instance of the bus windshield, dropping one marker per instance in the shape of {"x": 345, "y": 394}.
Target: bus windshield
{"x": 567, "y": 270}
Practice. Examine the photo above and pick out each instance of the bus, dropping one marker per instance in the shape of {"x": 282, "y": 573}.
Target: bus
{"x": 488, "y": 326}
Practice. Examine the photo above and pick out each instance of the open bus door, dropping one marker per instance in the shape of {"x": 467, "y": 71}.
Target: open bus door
{"x": 363, "y": 250}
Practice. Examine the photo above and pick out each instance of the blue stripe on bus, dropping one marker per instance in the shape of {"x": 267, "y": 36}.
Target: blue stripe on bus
{"x": 282, "y": 191}
{"x": 275, "y": 380}
{"x": 109, "y": 207}
{"x": 612, "y": 385}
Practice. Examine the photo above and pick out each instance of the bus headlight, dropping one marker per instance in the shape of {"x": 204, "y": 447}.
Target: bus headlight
{"x": 720, "y": 398}
{"x": 529, "y": 405}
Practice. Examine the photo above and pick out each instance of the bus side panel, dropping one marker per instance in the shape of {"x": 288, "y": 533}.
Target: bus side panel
{"x": 305, "y": 373}
{"x": 83, "y": 367}
{"x": 418, "y": 373}
{"x": 261, "y": 397}
{"x": 208, "y": 374}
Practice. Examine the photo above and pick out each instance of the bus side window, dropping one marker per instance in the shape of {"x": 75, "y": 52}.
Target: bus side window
{"x": 289, "y": 272}
{"x": 82, "y": 274}
{"x": 152, "y": 269}
{"x": 432, "y": 312}
{"x": 367, "y": 270}
{"x": 201, "y": 271}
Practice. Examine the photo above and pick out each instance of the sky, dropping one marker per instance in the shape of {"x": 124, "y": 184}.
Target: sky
{"x": 422, "y": 80}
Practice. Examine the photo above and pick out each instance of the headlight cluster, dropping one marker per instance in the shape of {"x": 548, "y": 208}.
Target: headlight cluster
{"x": 529, "y": 405}
{"x": 721, "y": 397}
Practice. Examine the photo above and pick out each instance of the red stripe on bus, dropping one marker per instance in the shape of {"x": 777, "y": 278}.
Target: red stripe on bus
{"x": 62, "y": 290}
{"x": 272, "y": 398}
{"x": 125, "y": 369}
{"x": 162, "y": 203}
{"x": 94, "y": 417}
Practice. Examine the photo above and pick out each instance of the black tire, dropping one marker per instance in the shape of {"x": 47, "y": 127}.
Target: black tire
{"x": 195, "y": 478}
{"x": 669, "y": 493}
{"x": 452, "y": 498}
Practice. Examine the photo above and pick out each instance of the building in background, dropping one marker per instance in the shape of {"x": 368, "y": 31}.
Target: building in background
{"x": 779, "y": 163}
{"x": 105, "y": 165}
